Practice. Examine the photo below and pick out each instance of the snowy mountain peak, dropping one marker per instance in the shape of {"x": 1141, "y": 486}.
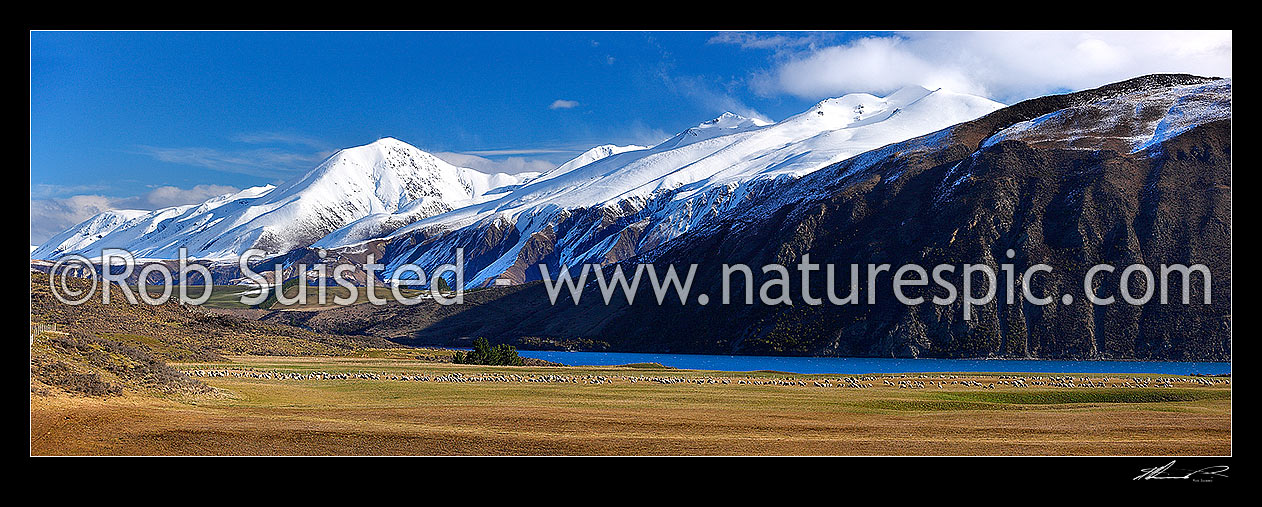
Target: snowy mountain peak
{"x": 725, "y": 124}
{"x": 857, "y": 109}
{"x": 385, "y": 177}
{"x": 85, "y": 233}
{"x": 732, "y": 120}
{"x": 902, "y": 97}
{"x": 587, "y": 157}
{"x": 388, "y": 141}
{"x": 909, "y": 94}
{"x": 373, "y": 156}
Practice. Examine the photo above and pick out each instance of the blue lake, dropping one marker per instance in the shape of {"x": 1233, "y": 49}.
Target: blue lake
{"x": 857, "y": 365}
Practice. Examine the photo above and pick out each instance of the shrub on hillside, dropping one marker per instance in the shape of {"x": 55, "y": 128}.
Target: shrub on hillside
{"x": 61, "y": 374}
{"x": 132, "y": 365}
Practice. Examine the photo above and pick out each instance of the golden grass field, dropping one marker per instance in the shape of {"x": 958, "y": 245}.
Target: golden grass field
{"x": 356, "y": 416}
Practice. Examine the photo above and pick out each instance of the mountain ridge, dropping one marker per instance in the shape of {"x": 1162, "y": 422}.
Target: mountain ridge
{"x": 379, "y": 178}
{"x": 334, "y": 206}
{"x": 1132, "y": 172}
{"x": 944, "y": 198}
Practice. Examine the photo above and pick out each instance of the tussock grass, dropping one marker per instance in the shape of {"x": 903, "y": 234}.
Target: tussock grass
{"x": 1050, "y": 397}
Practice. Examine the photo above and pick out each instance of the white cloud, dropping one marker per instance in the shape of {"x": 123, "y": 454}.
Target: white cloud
{"x": 45, "y": 190}
{"x": 509, "y": 165}
{"x": 263, "y": 162}
{"x": 1007, "y": 66}
{"x": 642, "y": 134}
{"x": 279, "y": 138}
{"x": 758, "y": 40}
{"x": 709, "y": 96}
{"x": 869, "y": 64}
{"x": 516, "y": 151}
{"x": 563, "y": 104}
{"x": 51, "y": 216}
{"x": 167, "y": 196}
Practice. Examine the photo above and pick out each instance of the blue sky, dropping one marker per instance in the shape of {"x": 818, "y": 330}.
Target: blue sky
{"x": 125, "y": 104}
{"x": 149, "y": 119}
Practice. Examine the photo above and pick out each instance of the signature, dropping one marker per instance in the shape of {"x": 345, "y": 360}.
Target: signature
{"x": 1202, "y": 475}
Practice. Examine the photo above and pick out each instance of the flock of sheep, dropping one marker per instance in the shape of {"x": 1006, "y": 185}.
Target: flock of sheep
{"x": 904, "y": 381}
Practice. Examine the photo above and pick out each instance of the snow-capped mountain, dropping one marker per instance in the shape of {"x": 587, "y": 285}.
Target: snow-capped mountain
{"x": 1132, "y": 173}
{"x": 383, "y": 224}
{"x": 382, "y": 178}
{"x": 390, "y": 189}
{"x": 731, "y": 149}
{"x": 635, "y": 200}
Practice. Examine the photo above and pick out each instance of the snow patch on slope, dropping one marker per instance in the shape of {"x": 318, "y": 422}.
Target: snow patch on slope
{"x": 1139, "y": 120}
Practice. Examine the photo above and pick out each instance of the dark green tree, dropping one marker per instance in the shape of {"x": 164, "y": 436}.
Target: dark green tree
{"x": 483, "y": 353}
